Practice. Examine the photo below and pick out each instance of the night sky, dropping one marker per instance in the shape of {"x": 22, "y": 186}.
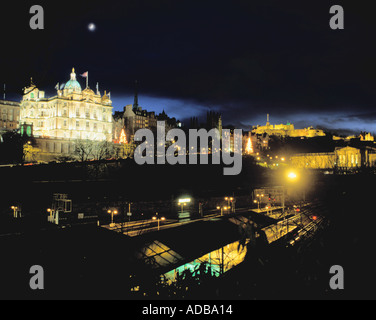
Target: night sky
{"x": 242, "y": 58}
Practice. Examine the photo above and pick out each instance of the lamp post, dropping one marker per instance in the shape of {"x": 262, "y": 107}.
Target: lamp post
{"x": 14, "y": 211}
{"x": 112, "y": 212}
{"x": 230, "y": 203}
{"x": 222, "y": 209}
{"x": 291, "y": 176}
{"x": 259, "y": 198}
{"x": 183, "y": 202}
{"x": 158, "y": 219}
{"x": 182, "y": 206}
{"x": 50, "y": 216}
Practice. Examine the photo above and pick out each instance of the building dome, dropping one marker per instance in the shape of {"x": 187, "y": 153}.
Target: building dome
{"x": 73, "y": 84}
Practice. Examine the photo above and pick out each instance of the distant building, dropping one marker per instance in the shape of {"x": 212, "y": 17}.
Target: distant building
{"x": 214, "y": 121}
{"x": 366, "y": 136}
{"x": 345, "y": 158}
{"x": 286, "y": 130}
{"x": 9, "y": 115}
{"x": 133, "y": 119}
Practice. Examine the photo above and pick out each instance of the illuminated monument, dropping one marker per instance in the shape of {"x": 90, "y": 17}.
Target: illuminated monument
{"x": 73, "y": 114}
{"x": 287, "y": 130}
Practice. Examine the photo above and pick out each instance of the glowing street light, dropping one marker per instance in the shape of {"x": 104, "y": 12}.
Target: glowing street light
{"x": 230, "y": 203}
{"x": 222, "y": 209}
{"x": 112, "y": 212}
{"x": 183, "y": 202}
{"x": 15, "y": 210}
{"x": 292, "y": 175}
{"x": 258, "y": 203}
{"x": 158, "y": 219}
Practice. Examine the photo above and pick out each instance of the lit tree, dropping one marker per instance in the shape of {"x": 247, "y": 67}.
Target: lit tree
{"x": 123, "y": 137}
{"x": 249, "y": 147}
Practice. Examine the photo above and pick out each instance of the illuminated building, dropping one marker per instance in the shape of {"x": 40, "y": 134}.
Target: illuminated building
{"x": 342, "y": 158}
{"x": 72, "y": 114}
{"x": 133, "y": 119}
{"x": 366, "y": 136}
{"x": 214, "y": 120}
{"x": 286, "y": 130}
{"x": 9, "y": 115}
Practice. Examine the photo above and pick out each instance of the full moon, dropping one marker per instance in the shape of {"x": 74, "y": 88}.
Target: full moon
{"x": 91, "y": 27}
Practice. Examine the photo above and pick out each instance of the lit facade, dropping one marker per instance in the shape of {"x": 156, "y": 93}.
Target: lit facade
{"x": 342, "y": 158}
{"x": 287, "y": 130}
{"x": 72, "y": 114}
{"x": 9, "y": 115}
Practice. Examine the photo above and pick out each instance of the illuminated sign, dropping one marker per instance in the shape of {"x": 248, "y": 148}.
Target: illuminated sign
{"x": 184, "y": 200}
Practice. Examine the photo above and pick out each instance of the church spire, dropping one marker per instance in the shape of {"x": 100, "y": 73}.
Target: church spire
{"x": 135, "y": 102}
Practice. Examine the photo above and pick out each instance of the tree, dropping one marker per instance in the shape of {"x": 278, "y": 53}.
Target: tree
{"x": 83, "y": 149}
{"x": 93, "y": 150}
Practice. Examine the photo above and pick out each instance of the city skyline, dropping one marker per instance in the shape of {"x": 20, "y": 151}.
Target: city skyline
{"x": 200, "y": 151}
{"x": 281, "y": 60}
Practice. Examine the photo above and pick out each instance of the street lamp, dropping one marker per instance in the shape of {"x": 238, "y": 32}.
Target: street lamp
{"x": 292, "y": 175}
{"x": 222, "y": 209}
{"x": 183, "y": 202}
{"x": 15, "y": 210}
{"x": 259, "y": 199}
{"x": 112, "y": 212}
{"x": 158, "y": 219}
{"x": 230, "y": 203}
{"x": 258, "y": 204}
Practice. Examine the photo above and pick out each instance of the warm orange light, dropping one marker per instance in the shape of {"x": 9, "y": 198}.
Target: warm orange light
{"x": 163, "y": 218}
{"x": 249, "y": 146}
{"x": 154, "y": 218}
{"x": 292, "y": 175}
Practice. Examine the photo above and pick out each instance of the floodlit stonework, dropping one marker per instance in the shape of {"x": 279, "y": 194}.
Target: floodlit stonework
{"x": 71, "y": 115}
